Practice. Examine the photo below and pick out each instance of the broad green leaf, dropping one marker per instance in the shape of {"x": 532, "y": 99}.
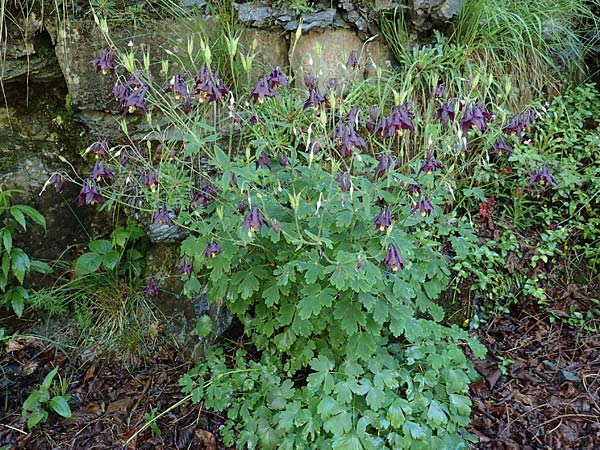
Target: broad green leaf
{"x": 19, "y": 263}
{"x": 101, "y": 246}
{"x": 31, "y": 403}
{"x": 60, "y": 406}
{"x": 33, "y": 214}
{"x": 88, "y": 263}
{"x": 221, "y": 158}
{"x": 19, "y": 217}
{"x": 7, "y": 240}
{"x": 37, "y": 416}
{"x": 48, "y": 378}
{"x": 40, "y": 266}
{"x": 17, "y": 302}
{"x": 111, "y": 259}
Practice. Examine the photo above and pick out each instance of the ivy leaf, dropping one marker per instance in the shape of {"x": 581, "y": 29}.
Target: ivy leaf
{"x": 316, "y": 300}
{"x": 375, "y": 398}
{"x": 460, "y": 404}
{"x": 191, "y": 287}
{"x": 416, "y": 430}
{"x": 395, "y": 414}
{"x": 363, "y": 345}
{"x": 271, "y": 295}
{"x": 436, "y": 415}
{"x": 350, "y": 315}
{"x": 248, "y": 285}
{"x": 340, "y": 423}
{"x": 348, "y": 442}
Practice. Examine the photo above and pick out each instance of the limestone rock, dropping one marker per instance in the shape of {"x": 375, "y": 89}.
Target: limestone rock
{"x": 324, "y": 54}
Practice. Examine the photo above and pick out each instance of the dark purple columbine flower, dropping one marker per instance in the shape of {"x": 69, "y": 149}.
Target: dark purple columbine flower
{"x": 101, "y": 172}
{"x": 542, "y": 176}
{"x": 100, "y": 148}
{"x": 345, "y": 181}
{"x": 187, "y": 266}
{"x": 520, "y": 124}
{"x": 311, "y": 82}
{"x": 386, "y": 162}
{"x": 347, "y": 140}
{"x": 446, "y": 113}
{"x": 105, "y": 62}
{"x": 150, "y": 179}
{"x": 439, "y": 91}
{"x": 315, "y": 99}
{"x": 430, "y": 164}
{"x": 254, "y": 220}
{"x": 178, "y": 87}
{"x": 372, "y": 120}
{"x": 501, "y": 148}
{"x": 277, "y": 78}
{"x": 212, "y": 249}
{"x": 186, "y": 105}
{"x": 151, "y": 288}
{"x": 475, "y": 117}
{"x": 233, "y": 181}
{"x": 120, "y": 92}
{"x": 262, "y": 90}
{"x": 90, "y": 194}
{"x": 332, "y": 84}
{"x": 423, "y": 206}
{"x": 400, "y": 119}
{"x": 161, "y": 216}
{"x": 263, "y": 161}
{"x": 135, "y": 82}
{"x": 393, "y": 261}
{"x": 209, "y": 87}
{"x": 283, "y": 159}
{"x": 206, "y": 195}
{"x": 136, "y": 102}
{"x": 352, "y": 116}
{"x": 254, "y": 119}
{"x": 352, "y": 62}
{"x": 383, "y": 221}
{"x": 57, "y": 180}
{"x": 414, "y": 190}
